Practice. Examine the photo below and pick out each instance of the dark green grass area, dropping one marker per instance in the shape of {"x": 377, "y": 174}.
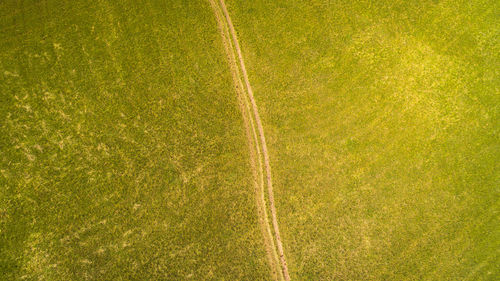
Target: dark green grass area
{"x": 383, "y": 126}
{"x": 122, "y": 153}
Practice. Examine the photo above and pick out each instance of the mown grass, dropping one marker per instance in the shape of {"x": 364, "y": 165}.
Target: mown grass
{"x": 123, "y": 155}
{"x": 383, "y": 125}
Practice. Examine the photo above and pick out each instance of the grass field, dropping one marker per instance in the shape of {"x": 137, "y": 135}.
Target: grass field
{"x": 123, "y": 154}
{"x": 382, "y": 119}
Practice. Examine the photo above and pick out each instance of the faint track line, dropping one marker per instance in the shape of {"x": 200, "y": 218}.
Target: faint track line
{"x": 260, "y": 147}
{"x": 254, "y": 149}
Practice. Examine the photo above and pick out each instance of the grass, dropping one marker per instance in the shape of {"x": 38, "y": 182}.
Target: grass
{"x": 382, "y": 122}
{"x": 122, "y": 150}
{"x": 123, "y": 154}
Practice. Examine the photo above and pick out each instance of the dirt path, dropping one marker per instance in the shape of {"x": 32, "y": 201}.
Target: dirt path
{"x": 254, "y": 147}
{"x": 256, "y": 138}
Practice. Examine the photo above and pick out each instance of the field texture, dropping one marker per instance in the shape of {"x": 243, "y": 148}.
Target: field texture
{"x": 126, "y": 152}
{"x": 122, "y": 150}
{"x": 382, "y": 120}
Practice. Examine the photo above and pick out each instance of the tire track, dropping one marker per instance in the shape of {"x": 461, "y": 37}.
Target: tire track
{"x": 257, "y": 143}
{"x": 254, "y": 148}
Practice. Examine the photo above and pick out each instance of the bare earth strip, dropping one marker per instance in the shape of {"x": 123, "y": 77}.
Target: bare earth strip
{"x": 259, "y": 149}
{"x": 255, "y": 153}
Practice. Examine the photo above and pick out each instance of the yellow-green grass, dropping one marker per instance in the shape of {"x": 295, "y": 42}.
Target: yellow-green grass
{"x": 122, "y": 149}
{"x": 382, "y": 120}
{"x": 123, "y": 154}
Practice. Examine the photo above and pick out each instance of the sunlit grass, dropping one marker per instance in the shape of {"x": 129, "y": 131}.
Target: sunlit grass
{"x": 382, "y": 118}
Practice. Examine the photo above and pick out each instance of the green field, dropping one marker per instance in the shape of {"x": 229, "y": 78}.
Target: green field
{"x": 123, "y": 153}
{"x": 123, "y": 156}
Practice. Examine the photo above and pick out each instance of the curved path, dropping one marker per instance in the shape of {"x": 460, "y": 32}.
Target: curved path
{"x": 255, "y": 134}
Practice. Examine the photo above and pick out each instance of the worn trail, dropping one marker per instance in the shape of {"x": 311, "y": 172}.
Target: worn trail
{"x": 258, "y": 148}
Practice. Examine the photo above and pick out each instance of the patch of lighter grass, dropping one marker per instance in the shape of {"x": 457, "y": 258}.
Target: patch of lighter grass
{"x": 39, "y": 264}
